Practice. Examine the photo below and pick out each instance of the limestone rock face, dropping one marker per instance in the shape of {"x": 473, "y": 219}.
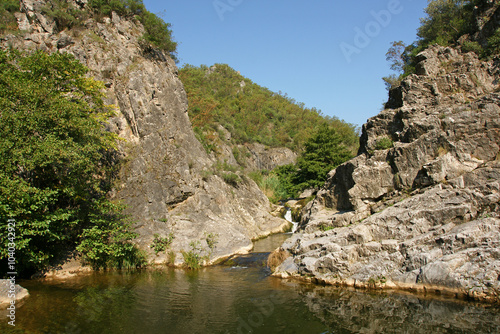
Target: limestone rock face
{"x": 167, "y": 180}
{"x": 418, "y": 207}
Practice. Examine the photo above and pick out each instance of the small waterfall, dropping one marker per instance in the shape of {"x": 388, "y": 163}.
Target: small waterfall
{"x": 288, "y": 216}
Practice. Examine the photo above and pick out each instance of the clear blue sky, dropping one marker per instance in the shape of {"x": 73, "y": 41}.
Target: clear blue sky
{"x": 327, "y": 54}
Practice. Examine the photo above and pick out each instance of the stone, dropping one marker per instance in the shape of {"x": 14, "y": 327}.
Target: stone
{"x": 11, "y": 292}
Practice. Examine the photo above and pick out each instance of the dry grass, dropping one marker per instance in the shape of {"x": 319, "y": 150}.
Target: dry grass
{"x": 276, "y": 258}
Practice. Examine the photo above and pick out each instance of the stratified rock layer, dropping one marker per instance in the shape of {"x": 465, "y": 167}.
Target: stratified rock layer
{"x": 418, "y": 207}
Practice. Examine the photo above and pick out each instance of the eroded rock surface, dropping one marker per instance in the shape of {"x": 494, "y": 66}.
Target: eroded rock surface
{"x": 418, "y": 207}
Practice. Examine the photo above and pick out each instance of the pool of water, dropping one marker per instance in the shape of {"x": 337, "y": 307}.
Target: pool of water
{"x": 233, "y": 299}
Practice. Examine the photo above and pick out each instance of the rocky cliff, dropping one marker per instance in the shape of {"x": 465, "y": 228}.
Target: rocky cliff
{"x": 167, "y": 181}
{"x": 418, "y": 208}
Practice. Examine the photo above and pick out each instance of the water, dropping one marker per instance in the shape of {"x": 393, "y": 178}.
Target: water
{"x": 234, "y": 299}
{"x": 288, "y": 217}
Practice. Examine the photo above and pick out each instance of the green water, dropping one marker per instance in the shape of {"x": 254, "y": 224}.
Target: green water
{"x": 226, "y": 299}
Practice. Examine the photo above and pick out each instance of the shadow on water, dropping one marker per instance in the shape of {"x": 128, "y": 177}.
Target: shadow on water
{"x": 233, "y": 299}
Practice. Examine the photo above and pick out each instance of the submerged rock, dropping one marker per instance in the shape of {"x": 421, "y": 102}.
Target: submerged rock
{"x": 11, "y": 292}
{"x": 418, "y": 208}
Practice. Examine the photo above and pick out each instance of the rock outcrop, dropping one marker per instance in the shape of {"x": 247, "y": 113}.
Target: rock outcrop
{"x": 418, "y": 207}
{"x": 167, "y": 181}
{"x": 11, "y": 293}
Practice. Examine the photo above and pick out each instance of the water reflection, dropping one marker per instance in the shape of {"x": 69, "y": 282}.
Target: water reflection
{"x": 233, "y": 300}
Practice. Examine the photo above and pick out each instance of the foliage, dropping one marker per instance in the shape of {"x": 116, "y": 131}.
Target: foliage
{"x": 58, "y": 162}
{"x": 445, "y": 22}
{"x": 157, "y": 32}
{"x": 396, "y": 56}
{"x": 64, "y": 14}
{"x": 384, "y": 143}
{"x": 231, "y": 178}
{"x": 8, "y": 21}
{"x": 211, "y": 239}
{"x": 271, "y": 184}
{"x": 221, "y": 96}
{"x": 391, "y": 81}
{"x": 323, "y": 152}
{"x": 494, "y": 43}
{"x": 161, "y": 244}
{"x": 193, "y": 258}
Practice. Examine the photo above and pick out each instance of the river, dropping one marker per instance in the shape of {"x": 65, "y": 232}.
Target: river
{"x": 240, "y": 297}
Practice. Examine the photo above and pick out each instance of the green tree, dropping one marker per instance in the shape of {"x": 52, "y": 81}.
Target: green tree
{"x": 323, "y": 152}
{"x": 57, "y": 163}
{"x": 445, "y": 22}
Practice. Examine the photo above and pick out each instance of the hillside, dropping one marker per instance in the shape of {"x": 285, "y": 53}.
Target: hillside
{"x": 219, "y": 95}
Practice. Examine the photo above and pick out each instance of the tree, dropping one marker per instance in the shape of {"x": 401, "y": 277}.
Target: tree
{"x": 446, "y": 21}
{"x": 58, "y": 162}
{"x": 395, "y": 55}
{"x": 323, "y": 152}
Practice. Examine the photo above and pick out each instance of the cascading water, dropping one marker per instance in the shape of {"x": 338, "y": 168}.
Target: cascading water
{"x": 288, "y": 217}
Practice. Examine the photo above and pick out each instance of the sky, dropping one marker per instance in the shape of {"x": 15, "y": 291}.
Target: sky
{"x": 327, "y": 54}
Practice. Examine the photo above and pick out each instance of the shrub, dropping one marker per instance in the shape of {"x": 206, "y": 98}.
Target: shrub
{"x": 160, "y": 244}
{"x": 468, "y": 46}
{"x": 193, "y": 258}
{"x": 384, "y": 143}
{"x": 231, "y": 178}
{"x": 8, "y": 21}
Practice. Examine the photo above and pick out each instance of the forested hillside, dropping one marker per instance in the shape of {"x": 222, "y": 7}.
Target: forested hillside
{"x": 219, "y": 95}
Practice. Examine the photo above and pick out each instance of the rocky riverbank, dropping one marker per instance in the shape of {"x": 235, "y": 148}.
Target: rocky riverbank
{"x": 418, "y": 208}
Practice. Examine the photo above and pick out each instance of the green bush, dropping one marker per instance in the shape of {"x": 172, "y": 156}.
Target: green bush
{"x": 161, "y": 244}
{"x": 193, "y": 258}
{"x": 384, "y": 143}
{"x": 468, "y": 46}
{"x": 157, "y": 32}
{"x": 494, "y": 43}
{"x": 64, "y": 14}
{"x": 231, "y": 178}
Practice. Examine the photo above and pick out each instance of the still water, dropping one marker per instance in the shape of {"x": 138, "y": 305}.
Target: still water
{"x": 238, "y": 298}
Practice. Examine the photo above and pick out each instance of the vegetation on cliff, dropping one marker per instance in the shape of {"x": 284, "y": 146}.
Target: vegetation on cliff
{"x": 447, "y": 23}
{"x": 58, "y": 164}
{"x": 219, "y": 95}
{"x": 66, "y": 15}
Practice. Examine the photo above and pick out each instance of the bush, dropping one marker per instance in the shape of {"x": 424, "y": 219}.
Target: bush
{"x": 8, "y": 21}
{"x": 468, "y": 46}
{"x": 384, "y": 143}
{"x": 161, "y": 244}
{"x": 157, "y": 32}
{"x": 193, "y": 258}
